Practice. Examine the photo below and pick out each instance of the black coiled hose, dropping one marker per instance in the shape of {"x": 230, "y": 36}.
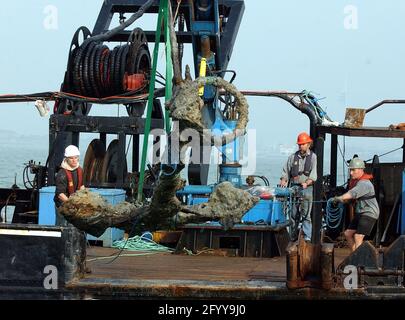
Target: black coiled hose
{"x": 96, "y": 71}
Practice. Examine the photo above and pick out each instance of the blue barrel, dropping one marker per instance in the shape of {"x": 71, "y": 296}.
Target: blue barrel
{"x": 277, "y": 214}
{"x": 46, "y": 214}
{"x": 113, "y": 196}
{"x": 261, "y": 212}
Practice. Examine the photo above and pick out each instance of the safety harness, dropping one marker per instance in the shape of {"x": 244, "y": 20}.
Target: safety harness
{"x": 69, "y": 176}
{"x": 307, "y": 166}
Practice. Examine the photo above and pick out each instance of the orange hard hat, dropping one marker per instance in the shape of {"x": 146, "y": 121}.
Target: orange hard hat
{"x": 303, "y": 138}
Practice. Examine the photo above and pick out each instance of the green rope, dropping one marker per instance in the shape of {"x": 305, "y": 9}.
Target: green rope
{"x": 169, "y": 65}
{"x": 163, "y": 17}
{"x": 138, "y": 243}
{"x": 150, "y": 103}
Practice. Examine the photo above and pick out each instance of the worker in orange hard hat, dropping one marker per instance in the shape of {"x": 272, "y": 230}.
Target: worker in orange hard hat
{"x": 300, "y": 168}
{"x": 303, "y": 138}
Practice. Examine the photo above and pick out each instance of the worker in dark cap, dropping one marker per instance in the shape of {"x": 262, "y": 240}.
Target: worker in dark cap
{"x": 300, "y": 169}
{"x": 250, "y": 181}
{"x": 366, "y": 209}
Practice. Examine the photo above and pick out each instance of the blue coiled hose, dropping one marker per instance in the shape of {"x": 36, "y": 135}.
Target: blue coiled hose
{"x": 334, "y": 214}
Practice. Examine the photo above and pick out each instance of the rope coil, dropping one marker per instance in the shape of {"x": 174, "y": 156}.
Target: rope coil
{"x": 141, "y": 243}
{"x": 334, "y": 214}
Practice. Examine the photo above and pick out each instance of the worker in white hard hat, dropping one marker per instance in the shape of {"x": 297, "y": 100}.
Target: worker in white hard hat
{"x": 366, "y": 206}
{"x": 68, "y": 180}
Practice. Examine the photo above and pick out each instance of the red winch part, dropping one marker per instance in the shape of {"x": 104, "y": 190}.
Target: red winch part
{"x": 266, "y": 196}
{"x": 134, "y": 81}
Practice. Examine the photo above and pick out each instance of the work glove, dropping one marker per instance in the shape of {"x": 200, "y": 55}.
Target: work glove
{"x": 336, "y": 200}
{"x": 283, "y": 183}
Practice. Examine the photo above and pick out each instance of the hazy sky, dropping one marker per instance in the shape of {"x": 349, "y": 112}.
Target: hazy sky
{"x": 349, "y": 51}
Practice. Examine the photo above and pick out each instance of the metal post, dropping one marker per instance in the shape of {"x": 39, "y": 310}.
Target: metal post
{"x": 121, "y": 151}
{"x": 402, "y": 213}
{"x": 51, "y": 157}
{"x": 135, "y": 153}
{"x": 403, "y": 152}
{"x": 317, "y": 207}
{"x": 103, "y": 138}
{"x": 76, "y": 138}
{"x": 58, "y": 140}
{"x": 333, "y": 161}
{"x": 377, "y": 189}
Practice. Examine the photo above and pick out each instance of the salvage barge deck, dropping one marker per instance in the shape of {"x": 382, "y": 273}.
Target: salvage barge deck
{"x": 160, "y": 276}
{"x": 169, "y": 276}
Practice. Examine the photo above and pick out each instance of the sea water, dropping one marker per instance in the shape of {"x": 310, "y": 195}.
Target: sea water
{"x": 17, "y": 150}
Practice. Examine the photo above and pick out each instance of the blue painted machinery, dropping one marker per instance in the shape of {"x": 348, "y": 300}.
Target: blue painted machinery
{"x": 272, "y": 212}
{"x": 261, "y": 233}
{"x": 212, "y": 47}
{"x": 273, "y": 209}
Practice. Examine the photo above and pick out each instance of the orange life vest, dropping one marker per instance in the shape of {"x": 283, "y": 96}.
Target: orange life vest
{"x": 71, "y": 185}
{"x": 365, "y": 176}
{"x": 353, "y": 183}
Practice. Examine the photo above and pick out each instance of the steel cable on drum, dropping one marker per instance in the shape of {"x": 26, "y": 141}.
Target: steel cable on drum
{"x": 95, "y": 71}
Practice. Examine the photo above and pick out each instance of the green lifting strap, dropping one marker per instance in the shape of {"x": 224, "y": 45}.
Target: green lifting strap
{"x": 169, "y": 67}
{"x": 163, "y": 14}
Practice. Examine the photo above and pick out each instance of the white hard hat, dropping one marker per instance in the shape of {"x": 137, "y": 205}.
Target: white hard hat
{"x": 71, "y": 151}
{"x": 356, "y": 163}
